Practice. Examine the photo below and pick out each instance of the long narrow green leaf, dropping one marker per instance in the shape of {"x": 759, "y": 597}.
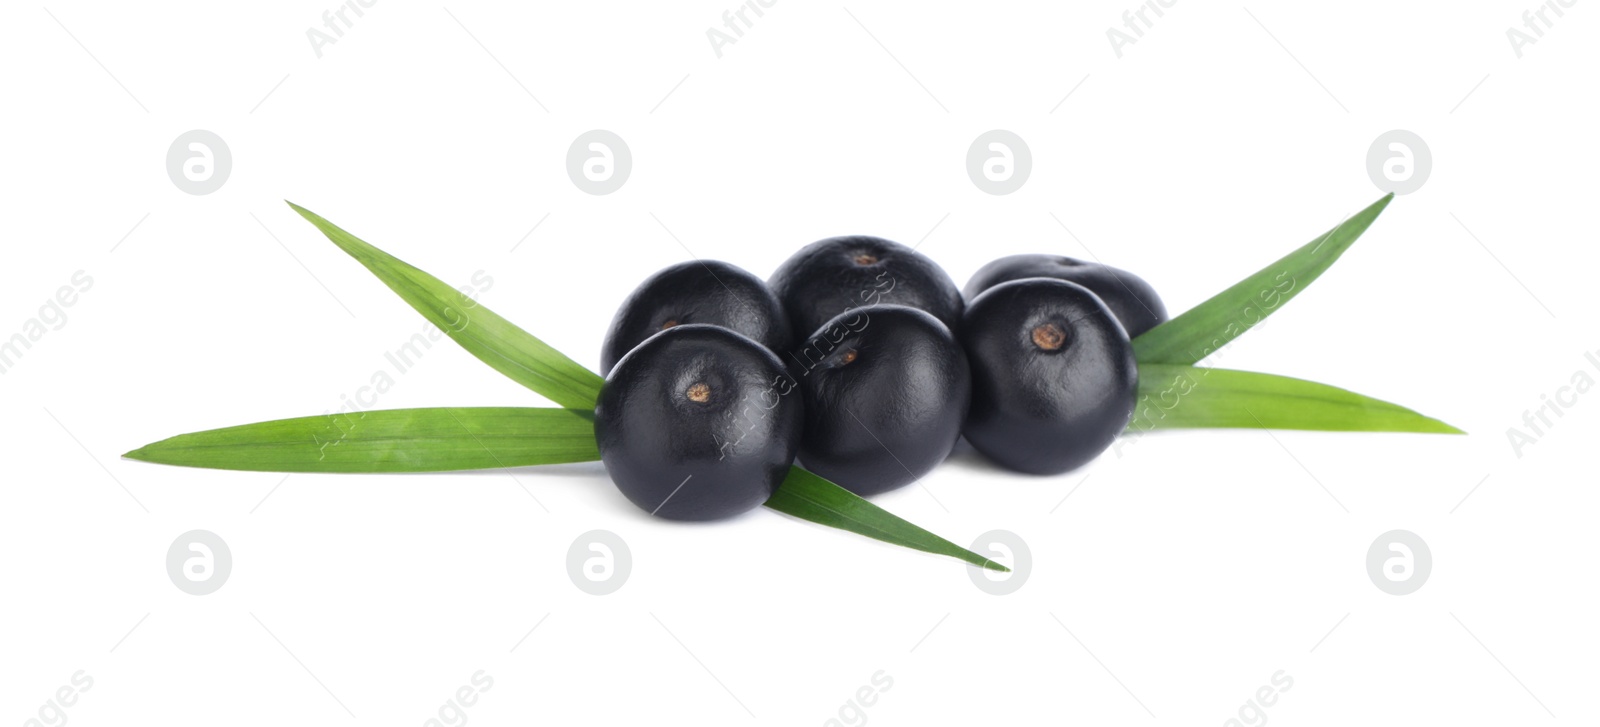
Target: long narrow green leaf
{"x": 810, "y": 497}
{"x": 493, "y": 339}
{"x": 394, "y": 440}
{"x": 1173, "y": 396}
{"x": 470, "y": 438}
{"x": 1203, "y": 329}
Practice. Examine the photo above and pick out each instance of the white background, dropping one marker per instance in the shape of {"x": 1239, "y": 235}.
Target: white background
{"x": 1169, "y": 582}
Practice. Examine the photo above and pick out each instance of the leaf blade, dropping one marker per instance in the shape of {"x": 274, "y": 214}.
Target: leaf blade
{"x": 811, "y": 497}
{"x": 485, "y": 334}
{"x": 471, "y": 438}
{"x": 1209, "y": 326}
{"x": 1174, "y": 396}
{"x": 387, "y": 441}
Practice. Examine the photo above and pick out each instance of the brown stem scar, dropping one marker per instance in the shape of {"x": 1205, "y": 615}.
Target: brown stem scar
{"x": 1049, "y": 336}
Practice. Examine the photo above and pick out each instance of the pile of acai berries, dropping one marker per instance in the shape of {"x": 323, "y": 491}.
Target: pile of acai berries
{"x": 860, "y": 357}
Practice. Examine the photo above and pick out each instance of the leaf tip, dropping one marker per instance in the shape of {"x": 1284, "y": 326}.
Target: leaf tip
{"x": 303, "y": 212}
{"x": 1437, "y": 426}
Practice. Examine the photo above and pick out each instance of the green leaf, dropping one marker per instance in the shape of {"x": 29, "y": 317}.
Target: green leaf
{"x": 1173, "y": 396}
{"x": 443, "y": 439}
{"x": 1203, "y": 329}
{"x": 493, "y": 339}
{"x": 395, "y": 440}
{"x": 810, "y": 497}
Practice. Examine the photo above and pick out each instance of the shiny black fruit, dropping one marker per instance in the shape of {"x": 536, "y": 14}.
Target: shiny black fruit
{"x": 1134, "y": 302}
{"x": 1053, "y": 375}
{"x": 886, "y": 391}
{"x": 694, "y": 423}
{"x": 699, "y": 291}
{"x": 831, "y": 276}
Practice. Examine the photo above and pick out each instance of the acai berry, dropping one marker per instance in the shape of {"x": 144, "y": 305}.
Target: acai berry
{"x": 698, "y": 423}
{"x": 1053, "y": 375}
